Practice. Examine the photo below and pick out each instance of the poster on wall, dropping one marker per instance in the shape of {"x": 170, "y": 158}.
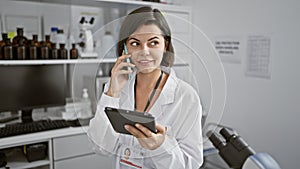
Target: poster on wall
{"x": 31, "y": 24}
{"x": 258, "y": 56}
{"x": 1, "y": 28}
{"x": 228, "y": 48}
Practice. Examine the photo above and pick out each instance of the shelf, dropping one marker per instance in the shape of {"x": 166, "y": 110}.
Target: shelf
{"x": 128, "y": 2}
{"x": 25, "y": 164}
{"x": 66, "y": 61}
{"x": 17, "y": 160}
{"x": 43, "y": 136}
{"x": 103, "y": 3}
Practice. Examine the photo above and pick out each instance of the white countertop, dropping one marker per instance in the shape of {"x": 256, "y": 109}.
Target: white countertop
{"x": 40, "y": 136}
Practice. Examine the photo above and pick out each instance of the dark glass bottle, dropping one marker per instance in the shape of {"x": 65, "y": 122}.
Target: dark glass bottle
{"x": 37, "y": 44}
{"x": 35, "y": 39}
{"x": 32, "y": 51}
{"x": 16, "y": 40}
{"x": 20, "y": 37}
{"x": 21, "y": 51}
{"x": 73, "y": 52}
{"x": 4, "y": 36}
{"x": 48, "y": 42}
{"x": 62, "y": 51}
{"x": 54, "y": 51}
{"x": 44, "y": 50}
{"x": 8, "y": 50}
{"x": 2, "y": 43}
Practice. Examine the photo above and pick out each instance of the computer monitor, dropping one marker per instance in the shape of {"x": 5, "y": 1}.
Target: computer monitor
{"x": 25, "y": 87}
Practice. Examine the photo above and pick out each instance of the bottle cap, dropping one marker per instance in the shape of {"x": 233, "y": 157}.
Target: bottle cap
{"x": 4, "y": 36}
{"x": 60, "y": 31}
{"x": 53, "y": 45}
{"x": 47, "y": 37}
{"x": 85, "y": 93}
{"x": 20, "y": 29}
{"x": 35, "y": 37}
{"x": 54, "y": 29}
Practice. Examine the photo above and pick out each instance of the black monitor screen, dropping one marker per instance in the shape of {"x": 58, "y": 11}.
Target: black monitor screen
{"x": 31, "y": 86}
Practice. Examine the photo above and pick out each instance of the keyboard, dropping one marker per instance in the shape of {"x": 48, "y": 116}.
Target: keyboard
{"x": 36, "y": 126}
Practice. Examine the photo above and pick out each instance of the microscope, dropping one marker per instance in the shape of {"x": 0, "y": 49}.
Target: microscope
{"x": 87, "y": 43}
{"x": 238, "y": 154}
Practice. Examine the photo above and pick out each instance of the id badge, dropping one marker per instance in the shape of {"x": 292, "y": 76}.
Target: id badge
{"x": 131, "y": 158}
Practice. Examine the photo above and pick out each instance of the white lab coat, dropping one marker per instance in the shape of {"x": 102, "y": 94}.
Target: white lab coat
{"x": 178, "y": 108}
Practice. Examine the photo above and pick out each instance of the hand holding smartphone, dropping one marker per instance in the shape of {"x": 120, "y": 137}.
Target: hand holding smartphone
{"x": 127, "y": 60}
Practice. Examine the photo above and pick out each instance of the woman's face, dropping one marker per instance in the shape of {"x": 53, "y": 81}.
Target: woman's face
{"x": 146, "y": 46}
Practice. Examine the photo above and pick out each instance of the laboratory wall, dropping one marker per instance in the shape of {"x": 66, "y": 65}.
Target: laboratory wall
{"x": 263, "y": 107}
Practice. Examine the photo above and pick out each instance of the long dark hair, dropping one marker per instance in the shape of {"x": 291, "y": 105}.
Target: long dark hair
{"x": 147, "y": 16}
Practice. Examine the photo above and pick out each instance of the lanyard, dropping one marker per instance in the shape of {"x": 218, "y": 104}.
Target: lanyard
{"x": 152, "y": 94}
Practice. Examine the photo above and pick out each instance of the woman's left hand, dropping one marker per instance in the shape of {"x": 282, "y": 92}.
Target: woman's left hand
{"x": 147, "y": 138}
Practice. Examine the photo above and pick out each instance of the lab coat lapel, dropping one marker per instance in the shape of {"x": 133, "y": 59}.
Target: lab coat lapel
{"x": 167, "y": 95}
{"x": 127, "y": 96}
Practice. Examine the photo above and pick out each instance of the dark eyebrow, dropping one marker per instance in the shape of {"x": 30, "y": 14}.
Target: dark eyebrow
{"x": 133, "y": 39}
{"x": 155, "y": 37}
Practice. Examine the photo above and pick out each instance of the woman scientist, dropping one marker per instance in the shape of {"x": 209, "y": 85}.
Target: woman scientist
{"x": 152, "y": 88}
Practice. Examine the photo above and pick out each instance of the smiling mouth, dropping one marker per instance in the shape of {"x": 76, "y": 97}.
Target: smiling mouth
{"x": 145, "y": 61}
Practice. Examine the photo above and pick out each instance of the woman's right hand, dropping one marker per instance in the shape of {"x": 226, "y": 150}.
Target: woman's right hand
{"x": 119, "y": 76}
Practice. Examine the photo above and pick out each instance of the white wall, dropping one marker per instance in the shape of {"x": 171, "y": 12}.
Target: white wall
{"x": 265, "y": 112}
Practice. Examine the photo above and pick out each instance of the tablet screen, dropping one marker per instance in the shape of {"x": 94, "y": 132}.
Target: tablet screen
{"x": 120, "y": 117}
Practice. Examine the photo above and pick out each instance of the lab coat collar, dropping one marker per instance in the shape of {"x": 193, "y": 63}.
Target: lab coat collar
{"x": 167, "y": 94}
{"x": 128, "y": 93}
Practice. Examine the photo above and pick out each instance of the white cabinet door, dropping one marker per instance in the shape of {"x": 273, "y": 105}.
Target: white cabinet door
{"x": 71, "y": 146}
{"x": 93, "y": 161}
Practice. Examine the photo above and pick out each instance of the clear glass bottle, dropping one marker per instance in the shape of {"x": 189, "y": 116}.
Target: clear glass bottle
{"x": 62, "y": 51}
{"x": 8, "y": 50}
{"x": 86, "y": 105}
{"x": 21, "y": 51}
{"x": 108, "y": 42}
{"x": 32, "y": 51}
{"x": 60, "y": 37}
{"x": 73, "y": 52}
{"x": 53, "y": 35}
{"x": 54, "y": 51}
{"x": 2, "y": 43}
{"x": 44, "y": 50}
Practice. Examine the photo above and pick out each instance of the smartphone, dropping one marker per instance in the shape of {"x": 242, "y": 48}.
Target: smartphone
{"x": 127, "y": 60}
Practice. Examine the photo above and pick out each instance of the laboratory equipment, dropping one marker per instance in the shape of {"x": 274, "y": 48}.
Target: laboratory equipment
{"x": 26, "y": 87}
{"x": 35, "y": 126}
{"x": 86, "y": 36}
{"x": 238, "y": 154}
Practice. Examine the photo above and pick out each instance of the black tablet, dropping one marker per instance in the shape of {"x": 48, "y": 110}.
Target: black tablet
{"x": 120, "y": 117}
